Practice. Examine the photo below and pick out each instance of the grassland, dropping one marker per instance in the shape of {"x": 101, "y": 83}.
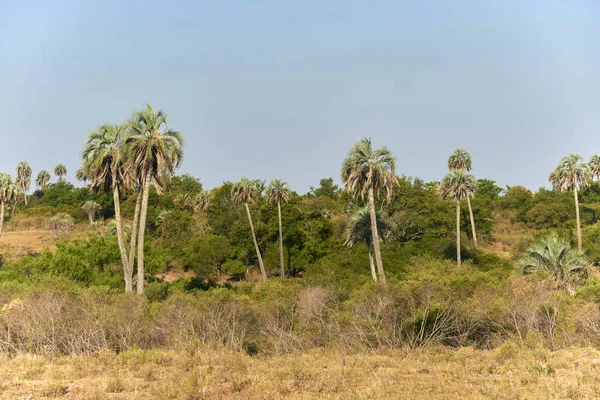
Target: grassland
{"x": 505, "y": 373}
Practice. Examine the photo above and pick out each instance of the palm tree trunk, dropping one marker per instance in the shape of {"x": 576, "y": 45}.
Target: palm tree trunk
{"x": 472, "y": 222}
{"x": 375, "y": 236}
{"x": 12, "y": 212}
{"x": 1, "y": 217}
{"x": 25, "y": 197}
{"x": 141, "y": 233}
{"x": 260, "y": 260}
{"x": 458, "y": 232}
{"x": 121, "y": 240}
{"x": 281, "y": 262}
{"x": 372, "y": 262}
{"x": 578, "y": 221}
{"x": 134, "y": 228}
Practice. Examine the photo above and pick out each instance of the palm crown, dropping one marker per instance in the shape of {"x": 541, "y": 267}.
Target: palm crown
{"x": 103, "y": 159}
{"x": 571, "y": 173}
{"x": 278, "y": 191}
{"x": 154, "y": 149}
{"x": 8, "y": 188}
{"x": 555, "y": 255}
{"x": 594, "y": 165}
{"x": 359, "y": 228}
{"x": 60, "y": 171}
{"x": 365, "y": 168}
{"x": 244, "y": 191}
{"x": 460, "y": 159}
{"x": 43, "y": 177}
{"x": 457, "y": 185}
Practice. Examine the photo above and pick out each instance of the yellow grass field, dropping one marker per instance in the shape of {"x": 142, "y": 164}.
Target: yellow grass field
{"x": 505, "y": 373}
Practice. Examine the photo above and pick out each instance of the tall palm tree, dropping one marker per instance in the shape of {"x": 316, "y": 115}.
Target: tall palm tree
{"x": 461, "y": 159}
{"x": 276, "y": 192}
{"x": 24, "y": 178}
{"x": 105, "y": 164}
{"x": 43, "y": 177}
{"x": 155, "y": 152}
{"x": 60, "y": 171}
{"x": 359, "y": 231}
{"x": 8, "y": 193}
{"x": 555, "y": 255}
{"x": 82, "y": 175}
{"x": 572, "y": 174}
{"x": 367, "y": 172}
{"x": 246, "y": 191}
{"x": 457, "y": 185}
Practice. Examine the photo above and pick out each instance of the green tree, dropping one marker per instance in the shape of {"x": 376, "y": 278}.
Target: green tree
{"x": 279, "y": 191}
{"x": 8, "y": 193}
{"x": 105, "y": 164}
{"x": 461, "y": 159}
{"x": 60, "y": 171}
{"x": 359, "y": 231}
{"x": 457, "y": 185}
{"x": 24, "y": 178}
{"x": 572, "y": 174}
{"x": 488, "y": 188}
{"x": 327, "y": 188}
{"x": 367, "y": 172}
{"x": 43, "y": 177}
{"x": 246, "y": 191}
{"x": 155, "y": 152}
{"x": 555, "y": 255}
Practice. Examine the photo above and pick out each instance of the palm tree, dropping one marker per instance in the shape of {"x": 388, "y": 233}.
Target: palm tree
{"x": 203, "y": 200}
{"x": 457, "y": 185}
{"x": 572, "y": 174}
{"x": 91, "y": 208}
{"x": 81, "y": 175}
{"x": 461, "y": 159}
{"x": 42, "y": 179}
{"x": 24, "y": 178}
{"x": 60, "y": 171}
{"x": 595, "y": 166}
{"x": 155, "y": 152}
{"x": 8, "y": 193}
{"x": 276, "y": 192}
{"x": 246, "y": 191}
{"x": 359, "y": 231}
{"x": 555, "y": 255}
{"x": 106, "y": 167}
{"x": 367, "y": 172}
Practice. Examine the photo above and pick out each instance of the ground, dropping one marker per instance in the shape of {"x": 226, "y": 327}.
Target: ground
{"x": 505, "y": 373}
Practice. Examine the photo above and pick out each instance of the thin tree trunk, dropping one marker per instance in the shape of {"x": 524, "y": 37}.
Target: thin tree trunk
{"x": 281, "y": 262}
{"x": 1, "y": 217}
{"x": 141, "y": 233}
{"x": 458, "y": 232}
{"x": 25, "y": 197}
{"x": 12, "y": 212}
{"x": 372, "y": 262}
{"x": 121, "y": 240}
{"x": 375, "y": 236}
{"x": 260, "y": 260}
{"x": 134, "y": 228}
{"x": 578, "y": 221}
{"x": 472, "y": 222}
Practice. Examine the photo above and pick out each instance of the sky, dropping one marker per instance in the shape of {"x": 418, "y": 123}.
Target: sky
{"x": 282, "y": 89}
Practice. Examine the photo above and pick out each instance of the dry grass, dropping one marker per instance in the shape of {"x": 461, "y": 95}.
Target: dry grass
{"x": 505, "y": 373}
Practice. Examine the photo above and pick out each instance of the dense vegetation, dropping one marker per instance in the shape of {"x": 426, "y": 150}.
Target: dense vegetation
{"x": 387, "y": 261}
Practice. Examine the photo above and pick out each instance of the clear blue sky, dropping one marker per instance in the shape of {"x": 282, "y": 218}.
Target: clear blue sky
{"x": 268, "y": 89}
